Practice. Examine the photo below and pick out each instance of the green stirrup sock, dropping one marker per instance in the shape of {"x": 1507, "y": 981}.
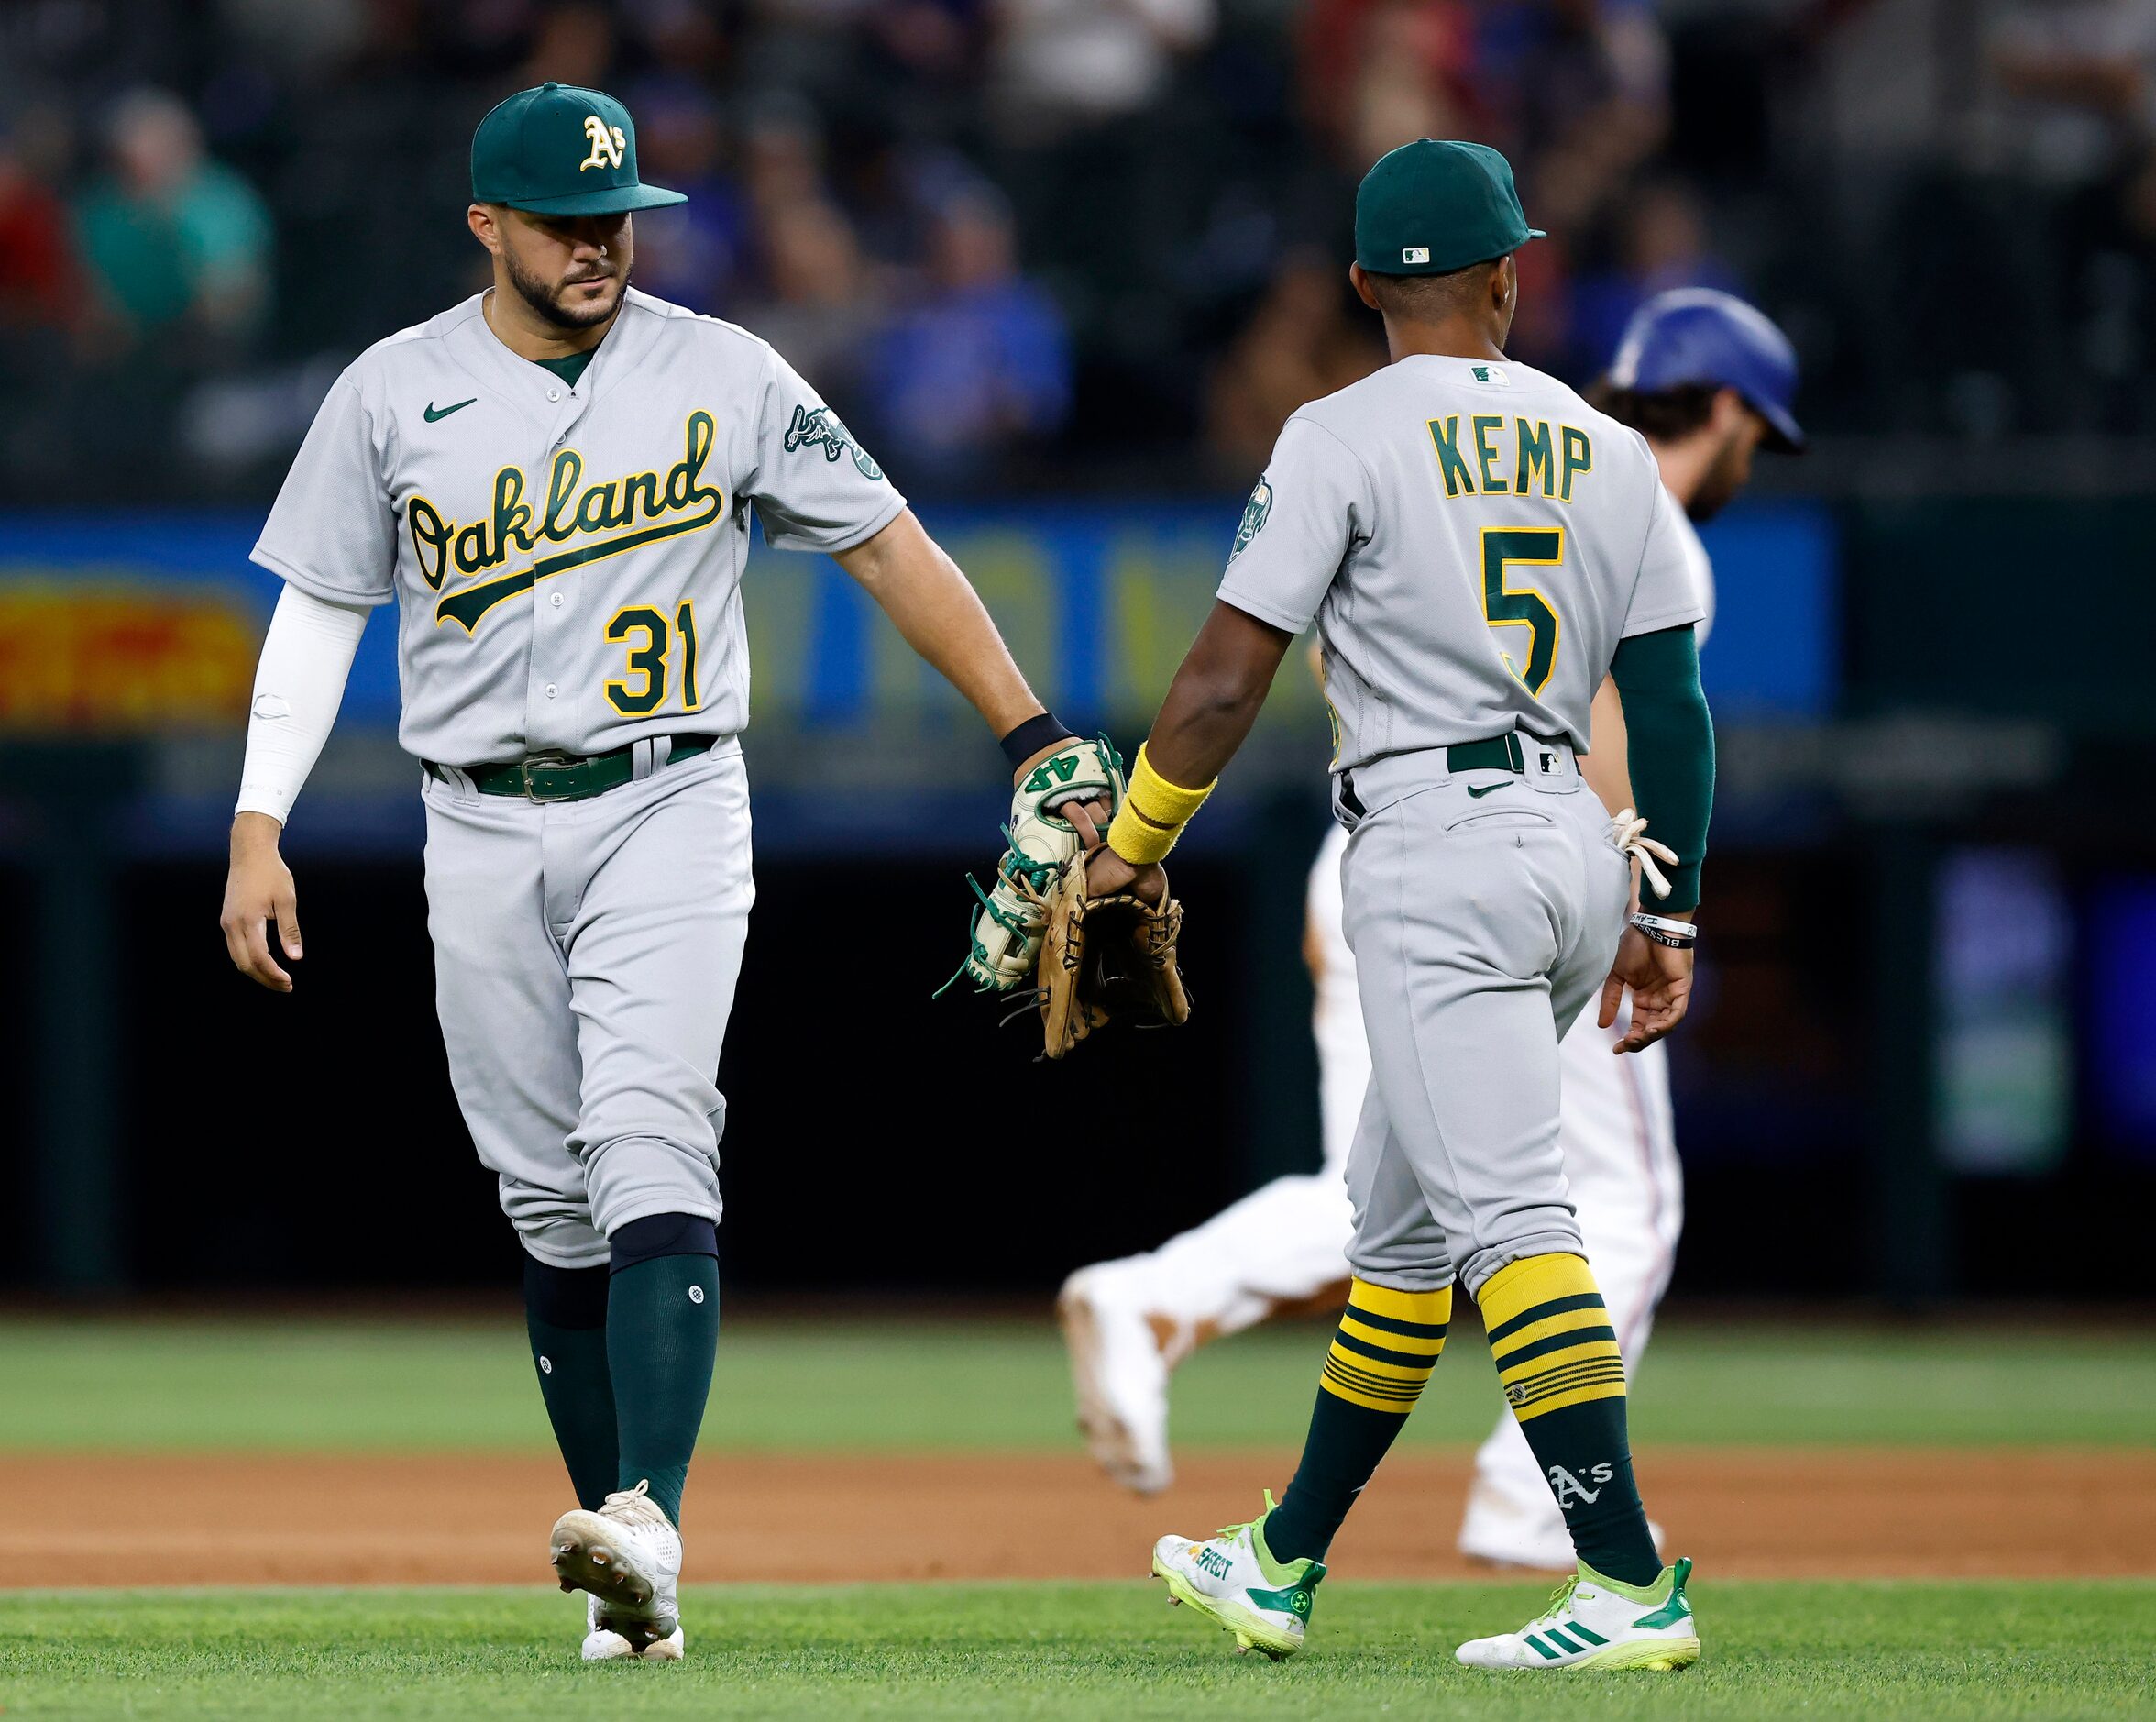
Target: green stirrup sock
{"x": 565, "y": 1317}
{"x": 1558, "y": 1360}
{"x": 1382, "y": 1352}
{"x": 662, "y": 1335}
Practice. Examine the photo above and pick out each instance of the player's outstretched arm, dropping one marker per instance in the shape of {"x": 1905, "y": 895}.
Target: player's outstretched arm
{"x": 298, "y": 684}
{"x": 1211, "y": 705}
{"x": 1215, "y": 696}
{"x": 936, "y": 609}
{"x": 1063, "y": 790}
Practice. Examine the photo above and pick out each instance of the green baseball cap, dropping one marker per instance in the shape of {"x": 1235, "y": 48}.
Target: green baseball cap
{"x": 1432, "y": 206}
{"x": 561, "y": 150}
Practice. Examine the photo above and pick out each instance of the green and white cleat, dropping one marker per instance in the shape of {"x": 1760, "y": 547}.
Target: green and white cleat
{"x": 1596, "y": 1623}
{"x": 1233, "y": 1581}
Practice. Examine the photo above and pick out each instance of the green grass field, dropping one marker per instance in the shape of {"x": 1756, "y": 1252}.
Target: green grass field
{"x": 172, "y": 1386}
{"x": 1892, "y": 1652}
{"x": 1078, "y": 1652}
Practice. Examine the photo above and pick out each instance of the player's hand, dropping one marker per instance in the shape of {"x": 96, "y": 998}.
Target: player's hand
{"x": 258, "y": 890}
{"x": 1062, "y": 800}
{"x": 1089, "y": 818}
{"x": 1107, "y": 873}
{"x": 1660, "y": 977}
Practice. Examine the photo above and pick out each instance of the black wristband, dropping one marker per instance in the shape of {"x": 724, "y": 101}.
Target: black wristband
{"x": 1032, "y": 736}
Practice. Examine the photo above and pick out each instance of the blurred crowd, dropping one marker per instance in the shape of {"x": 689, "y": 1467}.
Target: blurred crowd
{"x": 1071, "y": 243}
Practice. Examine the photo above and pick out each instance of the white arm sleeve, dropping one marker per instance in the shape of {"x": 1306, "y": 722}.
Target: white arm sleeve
{"x": 298, "y": 684}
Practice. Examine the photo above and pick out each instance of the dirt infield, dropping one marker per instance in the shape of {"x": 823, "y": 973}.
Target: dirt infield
{"x": 1741, "y": 1512}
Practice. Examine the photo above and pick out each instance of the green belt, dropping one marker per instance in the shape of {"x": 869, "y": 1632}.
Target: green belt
{"x": 1499, "y": 753}
{"x": 568, "y": 777}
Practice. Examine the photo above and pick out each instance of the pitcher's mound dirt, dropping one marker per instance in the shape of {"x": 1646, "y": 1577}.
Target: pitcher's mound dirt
{"x": 1741, "y": 1512}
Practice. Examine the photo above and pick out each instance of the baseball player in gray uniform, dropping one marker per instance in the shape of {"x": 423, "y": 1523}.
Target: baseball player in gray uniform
{"x": 1479, "y": 547}
{"x": 553, "y": 483}
{"x": 1708, "y": 381}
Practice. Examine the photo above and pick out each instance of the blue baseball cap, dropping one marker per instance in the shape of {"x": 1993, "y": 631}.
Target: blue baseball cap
{"x": 1697, "y": 336}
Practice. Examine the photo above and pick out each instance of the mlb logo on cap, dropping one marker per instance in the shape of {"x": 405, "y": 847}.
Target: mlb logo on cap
{"x": 1432, "y": 206}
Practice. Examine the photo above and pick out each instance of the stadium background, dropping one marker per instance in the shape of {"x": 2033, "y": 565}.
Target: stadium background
{"x": 1066, "y": 267}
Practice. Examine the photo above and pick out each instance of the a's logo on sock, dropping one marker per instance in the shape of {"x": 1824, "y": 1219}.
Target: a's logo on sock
{"x": 696, "y": 1294}
{"x": 546, "y": 1365}
{"x": 1569, "y": 1488}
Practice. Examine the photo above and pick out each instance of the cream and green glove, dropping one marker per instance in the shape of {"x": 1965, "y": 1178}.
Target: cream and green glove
{"x": 1007, "y": 931}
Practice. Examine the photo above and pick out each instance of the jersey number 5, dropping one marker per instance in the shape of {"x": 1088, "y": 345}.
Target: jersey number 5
{"x": 648, "y": 661}
{"x": 1540, "y": 547}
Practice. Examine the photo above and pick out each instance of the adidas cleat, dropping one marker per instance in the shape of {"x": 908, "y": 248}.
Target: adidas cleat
{"x": 1596, "y": 1623}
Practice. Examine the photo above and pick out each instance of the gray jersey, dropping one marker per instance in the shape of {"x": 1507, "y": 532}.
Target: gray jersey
{"x": 567, "y": 560}
{"x": 1473, "y": 540}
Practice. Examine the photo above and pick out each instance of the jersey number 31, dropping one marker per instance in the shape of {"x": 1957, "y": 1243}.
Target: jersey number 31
{"x": 1539, "y": 547}
{"x": 644, "y": 689}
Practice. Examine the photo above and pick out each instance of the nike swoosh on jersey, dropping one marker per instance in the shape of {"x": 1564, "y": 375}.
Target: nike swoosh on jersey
{"x": 1489, "y": 788}
{"x": 433, "y": 413}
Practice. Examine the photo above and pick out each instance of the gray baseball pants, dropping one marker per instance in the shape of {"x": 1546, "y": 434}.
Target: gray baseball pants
{"x": 585, "y": 960}
{"x": 1483, "y": 908}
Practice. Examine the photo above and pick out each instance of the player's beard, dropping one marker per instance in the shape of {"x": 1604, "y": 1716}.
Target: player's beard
{"x": 1724, "y": 477}
{"x": 545, "y": 297}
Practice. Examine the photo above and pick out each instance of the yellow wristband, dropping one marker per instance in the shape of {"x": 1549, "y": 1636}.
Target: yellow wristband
{"x": 1153, "y": 814}
{"x": 1156, "y": 799}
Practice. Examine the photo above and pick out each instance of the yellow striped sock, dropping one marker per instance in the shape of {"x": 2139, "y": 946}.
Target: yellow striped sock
{"x": 1386, "y": 1346}
{"x": 1550, "y": 1335}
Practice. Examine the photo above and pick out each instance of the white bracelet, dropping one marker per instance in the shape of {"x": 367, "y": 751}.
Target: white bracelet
{"x": 1676, "y": 935}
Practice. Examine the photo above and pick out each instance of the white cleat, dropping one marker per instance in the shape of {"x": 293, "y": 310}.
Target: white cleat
{"x": 1597, "y": 1624}
{"x": 628, "y": 1555}
{"x": 603, "y": 1644}
{"x": 1235, "y": 1584}
{"x": 1120, "y": 1376}
{"x": 1499, "y": 1532}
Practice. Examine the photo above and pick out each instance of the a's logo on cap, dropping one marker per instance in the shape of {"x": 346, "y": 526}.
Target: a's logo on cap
{"x": 1414, "y": 254}
{"x": 606, "y": 144}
